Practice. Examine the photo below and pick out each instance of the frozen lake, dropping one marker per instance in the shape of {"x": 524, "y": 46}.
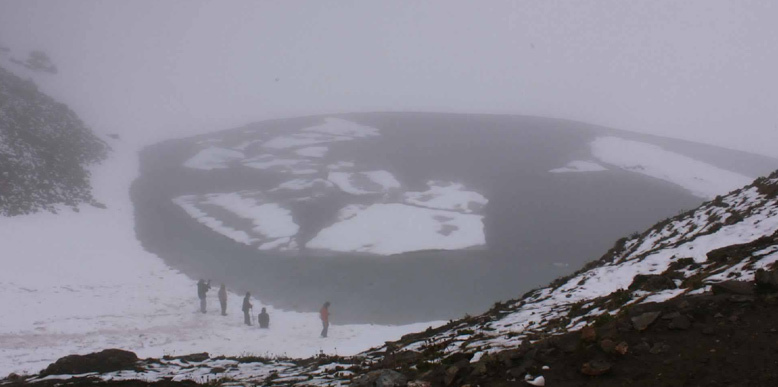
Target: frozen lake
{"x": 404, "y": 217}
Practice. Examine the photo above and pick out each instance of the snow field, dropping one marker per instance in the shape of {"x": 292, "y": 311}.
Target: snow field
{"x": 81, "y": 282}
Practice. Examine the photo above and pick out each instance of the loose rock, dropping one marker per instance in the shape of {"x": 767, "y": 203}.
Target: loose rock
{"x": 643, "y": 321}
{"x": 595, "y": 367}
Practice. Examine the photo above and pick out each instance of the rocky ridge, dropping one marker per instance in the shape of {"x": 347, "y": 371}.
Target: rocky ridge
{"x": 691, "y": 301}
{"x": 45, "y": 151}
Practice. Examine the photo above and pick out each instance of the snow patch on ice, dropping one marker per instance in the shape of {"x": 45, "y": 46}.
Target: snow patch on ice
{"x": 213, "y": 158}
{"x": 364, "y": 183}
{"x": 447, "y": 196}
{"x": 387, "y": 229}
{"x": 313, "y": 151}
{"x": 270, "y": 219}
{"x": 579, "y": 166}
{"x": 700, "y": 179}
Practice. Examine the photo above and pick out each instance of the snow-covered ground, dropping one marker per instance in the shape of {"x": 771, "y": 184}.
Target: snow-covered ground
{"x": 445, "y": 216}
{"x": 699, "y": 178}
{"x": 80, "y": 282}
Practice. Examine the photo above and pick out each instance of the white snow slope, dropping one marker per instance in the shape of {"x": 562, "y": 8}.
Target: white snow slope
{"x": 81, "y": 282}
{"x": 699, "y": 178}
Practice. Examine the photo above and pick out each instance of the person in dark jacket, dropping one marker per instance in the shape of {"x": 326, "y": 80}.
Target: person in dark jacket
{"x": 202, "y": 289}
{"x": 247, "y": 308}
{"x": 324, "y": 315}
{"x": 263, "y": 319}
{"x": 223, "y": 299}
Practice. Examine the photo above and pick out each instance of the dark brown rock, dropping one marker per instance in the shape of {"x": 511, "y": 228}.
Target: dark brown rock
{"x": 652, "y": 282}
{"x": 588, "y": 334}
{"x": 621, "y": 348}
{"x": 607, "y": 345}
{"x": 766, "y": 281}
{"x": 643, "y": 321}
{"x": 733, "y": 287}
{"x": 108, "y": 360}
{"x": 595, "y": 367}
{"x": 680, "y": 322}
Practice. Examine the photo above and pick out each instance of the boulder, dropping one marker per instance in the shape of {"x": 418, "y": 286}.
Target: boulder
{"x": 588, "y": 334}
{"x": 108, "y": 360}
{"x": 733, "y": 287}
{"x": 644, "y": 320}
{"x": 652, "y": 282}
{"x": 390, "y": 378}
{"x": 766, "y": 281}
{"x": 595, "y": 367}
{"x": 380, "y": 378}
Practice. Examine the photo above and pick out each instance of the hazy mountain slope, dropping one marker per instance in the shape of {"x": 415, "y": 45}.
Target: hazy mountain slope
{"x": 45, "y": 150}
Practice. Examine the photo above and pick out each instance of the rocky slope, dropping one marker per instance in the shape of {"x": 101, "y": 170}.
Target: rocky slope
{"x": 45, "y": 151}
{"x": 691, "y": 301}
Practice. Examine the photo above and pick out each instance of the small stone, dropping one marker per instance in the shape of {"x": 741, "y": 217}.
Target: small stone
{"x": 681, "y": 323}
{"x": 643, "y": 321}
{"x": 622, "y": 348}
{"x": 588, "y": 334}
{"x": 642, "y": 347}
{"x": 595, "y": 367}
{"x": 419, "y": 383}
{"x": 659, "y": 348}
{"x": 607, "y": 345}
{"x": 671, "y": 316}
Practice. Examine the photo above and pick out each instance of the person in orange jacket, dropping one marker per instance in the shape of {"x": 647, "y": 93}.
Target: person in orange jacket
{"x": 324, "y": 314}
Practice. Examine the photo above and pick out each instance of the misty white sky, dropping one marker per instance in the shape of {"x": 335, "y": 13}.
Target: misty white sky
{"x": 702, "y": 70}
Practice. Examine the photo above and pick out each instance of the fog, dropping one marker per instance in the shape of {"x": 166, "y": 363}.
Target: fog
{"x": 699, "y": 70}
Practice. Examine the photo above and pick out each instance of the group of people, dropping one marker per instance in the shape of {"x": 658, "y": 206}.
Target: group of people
{"x": 263, "y": 319}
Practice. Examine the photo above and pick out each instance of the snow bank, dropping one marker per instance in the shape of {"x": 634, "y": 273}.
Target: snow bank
{"x": 701, "y": 179}
{"x": 579, "y": 166}
{"x": 387, "y": 229}
{"x": 447, "y": 196}
{"x": 213, "y": 158}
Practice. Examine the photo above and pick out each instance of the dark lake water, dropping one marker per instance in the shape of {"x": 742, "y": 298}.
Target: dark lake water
{"x": 534, "y": 219}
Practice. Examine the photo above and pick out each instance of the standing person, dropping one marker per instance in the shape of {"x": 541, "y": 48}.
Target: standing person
{"x": 263, "y": 319}
{"x": 324, "y": 314}
{"x": 202, "y": 289}
{"x": 247, "y": 308}
{"x": 223, "y": 299}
